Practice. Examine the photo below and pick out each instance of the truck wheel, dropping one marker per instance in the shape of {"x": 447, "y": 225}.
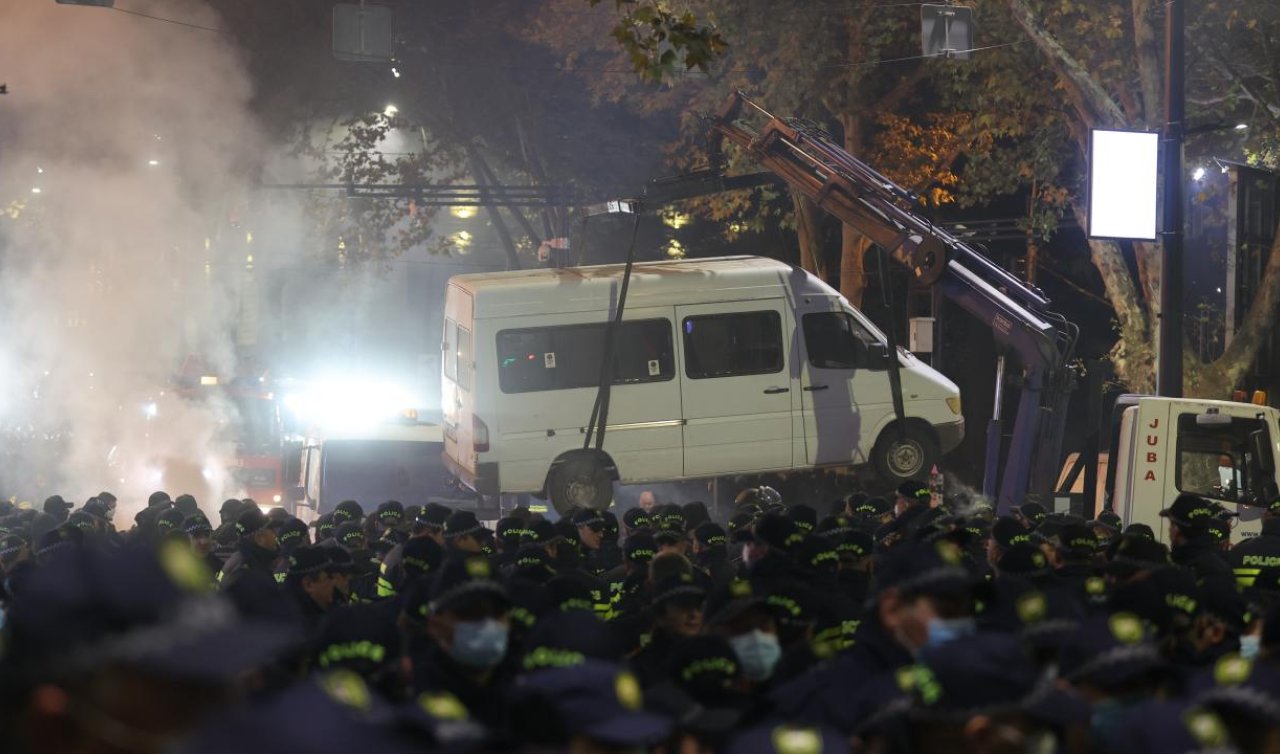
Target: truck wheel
{"x": 901, "y": 456}
{"x": 580, "y": 482}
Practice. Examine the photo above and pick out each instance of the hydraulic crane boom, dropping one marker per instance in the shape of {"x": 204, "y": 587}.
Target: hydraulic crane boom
{"x": 810, "y": 162}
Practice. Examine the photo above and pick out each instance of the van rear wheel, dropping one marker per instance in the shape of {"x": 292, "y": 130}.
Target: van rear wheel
{"x": 899, "y": 456}
{"x": 580, "y": 482}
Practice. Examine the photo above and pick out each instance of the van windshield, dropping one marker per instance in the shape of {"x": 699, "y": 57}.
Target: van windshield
{"x": 374, "y": 471}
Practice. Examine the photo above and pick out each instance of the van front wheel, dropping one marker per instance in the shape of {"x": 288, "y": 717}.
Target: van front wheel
{"x": 580, "y": 482}
{"x": 899, "y": 456}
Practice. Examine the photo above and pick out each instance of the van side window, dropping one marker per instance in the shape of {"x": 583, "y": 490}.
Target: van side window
{"x": 835, "y": 340}
{"x": 729, "y": 345}
{"x": 465, "y": 361}
{"x": 449, "y": 347}
{"x": 569, "y": 356}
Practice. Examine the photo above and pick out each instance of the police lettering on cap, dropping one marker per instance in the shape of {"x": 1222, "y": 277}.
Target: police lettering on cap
{"x": 568, "y": 638}
{"x": 348, "y": 510}
{"x": 1032, "y": 512}
{"x": 914, "y": 491}
{"x": 358, "y": 638}
{"x": 390, "y": 512}
{"x": 711, "y": 535}
{"x": 873, "y": 506}
{"x": 293, "y": 532}
{"x": 1077, "y": 539}
{"x": 349, "y": 534}
{"x": 640, "y": 548}
{"x": 1189, "y": 511}
{"x": 1007, "y": 532}
{"x": 804, "y": 517}
{"x": 636, "y": 518}
{"x": 856, "y": 543}
{"x": 170, "y": 519}
{"x": 421, "y": 556}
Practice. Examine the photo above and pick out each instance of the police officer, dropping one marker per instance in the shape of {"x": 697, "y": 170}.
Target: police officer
{"x": 1252, "y": 556}
{"x": 122, "y": 649}
{"x": 256, "y": 550}
{"x": 1191, "y": 545}
{"x": 458, "y": 632}
{"x": 310, "y": 583}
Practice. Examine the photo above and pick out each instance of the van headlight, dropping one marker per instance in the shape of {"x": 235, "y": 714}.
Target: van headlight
{"x": 953, "y": 403}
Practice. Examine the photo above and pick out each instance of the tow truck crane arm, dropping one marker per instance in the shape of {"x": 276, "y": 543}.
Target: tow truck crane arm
{"x": 812, "y": 163}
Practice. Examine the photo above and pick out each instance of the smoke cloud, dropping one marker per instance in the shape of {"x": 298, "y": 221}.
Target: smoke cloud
{"x": 124, "y": 144}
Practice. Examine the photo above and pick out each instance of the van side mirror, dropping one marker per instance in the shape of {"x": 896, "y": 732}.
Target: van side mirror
{"x": 877, "y": 356}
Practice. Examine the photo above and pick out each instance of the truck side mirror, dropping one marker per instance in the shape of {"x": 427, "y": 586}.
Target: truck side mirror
{"x": 1262, "y": 452}
{"x": 295, "y": 494}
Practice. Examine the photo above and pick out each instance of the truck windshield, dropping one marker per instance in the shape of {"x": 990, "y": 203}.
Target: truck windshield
{"x": 1216, "y": 461}
{"x": 374, "y": 471}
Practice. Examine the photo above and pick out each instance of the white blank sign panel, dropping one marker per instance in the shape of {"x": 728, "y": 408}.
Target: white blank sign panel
{"x": 1122, "y": 184}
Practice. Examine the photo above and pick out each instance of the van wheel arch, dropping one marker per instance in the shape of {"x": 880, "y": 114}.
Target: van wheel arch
{"x": 581, "y": 477}
{"x": 897, "y": 459}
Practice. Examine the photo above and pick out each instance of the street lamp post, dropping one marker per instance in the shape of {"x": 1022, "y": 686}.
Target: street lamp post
{"x": 1169, "y": 354}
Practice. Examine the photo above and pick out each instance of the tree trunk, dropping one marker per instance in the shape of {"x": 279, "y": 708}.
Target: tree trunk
{"x": 853, "y": 274}
{"x": 1218, "y": 379}
{"x": 853, "y": 245}
{"x": 809, "y": 235}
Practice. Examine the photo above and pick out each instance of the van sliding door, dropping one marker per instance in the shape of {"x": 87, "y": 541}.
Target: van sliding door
{"x": 736, "y": 388}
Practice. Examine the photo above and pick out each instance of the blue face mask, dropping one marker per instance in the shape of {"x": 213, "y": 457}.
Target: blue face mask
{"x": 479, "y": 644}
{"x": 1249, "y": 646}
{"x": 758, "y": 652}
{"x": 941, "y": 631}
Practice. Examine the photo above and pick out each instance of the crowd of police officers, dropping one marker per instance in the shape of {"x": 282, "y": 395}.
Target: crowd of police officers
{"x": 907, "y": 623}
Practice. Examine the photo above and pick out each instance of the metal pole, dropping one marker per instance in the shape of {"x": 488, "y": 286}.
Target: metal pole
{"x": 1169, "y": 372}
{"x": 995, "y": 437}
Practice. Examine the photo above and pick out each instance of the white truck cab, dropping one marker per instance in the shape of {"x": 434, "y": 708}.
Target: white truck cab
{"x": 721, "y": 366}
{"x": 1222, "y": 450}
{"x": 395, "y": 460}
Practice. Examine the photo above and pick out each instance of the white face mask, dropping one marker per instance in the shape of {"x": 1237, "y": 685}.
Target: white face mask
{"x": 1249, "y": 646}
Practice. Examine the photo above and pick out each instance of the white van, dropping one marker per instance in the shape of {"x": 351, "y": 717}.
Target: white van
{"x": 722, "y": 366}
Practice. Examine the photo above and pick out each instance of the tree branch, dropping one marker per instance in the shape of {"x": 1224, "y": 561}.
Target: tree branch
{"x": 1226, "y": 371}
{"x": 1147, "y": 53}
{"x": 1091, "y": 101}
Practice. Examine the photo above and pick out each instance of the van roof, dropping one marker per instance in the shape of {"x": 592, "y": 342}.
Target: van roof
{"x": 666, "y": 283}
